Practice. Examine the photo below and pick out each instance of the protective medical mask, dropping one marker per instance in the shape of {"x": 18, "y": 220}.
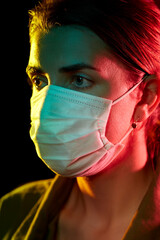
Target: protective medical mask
{"x": 68, "y": 130}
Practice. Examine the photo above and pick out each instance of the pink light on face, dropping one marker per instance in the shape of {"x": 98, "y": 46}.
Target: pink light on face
{"x": 112, "y": 75}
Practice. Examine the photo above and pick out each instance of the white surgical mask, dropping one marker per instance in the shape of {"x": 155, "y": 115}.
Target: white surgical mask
{"x": 68, "y": 130}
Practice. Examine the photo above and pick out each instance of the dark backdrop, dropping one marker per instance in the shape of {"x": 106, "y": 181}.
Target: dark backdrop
{"x": 18, "y": 160}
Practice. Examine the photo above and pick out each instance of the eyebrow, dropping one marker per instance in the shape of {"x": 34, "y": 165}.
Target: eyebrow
{"x": 31, "y": 70}
{"x": 77, "y": 67}
{"x": 71, "y": 68}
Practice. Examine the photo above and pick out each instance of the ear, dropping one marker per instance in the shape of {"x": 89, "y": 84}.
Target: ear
{"x": 149, "y": 100}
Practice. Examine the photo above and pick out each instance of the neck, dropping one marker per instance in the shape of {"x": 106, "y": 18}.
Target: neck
{"x": 117, "y": 193}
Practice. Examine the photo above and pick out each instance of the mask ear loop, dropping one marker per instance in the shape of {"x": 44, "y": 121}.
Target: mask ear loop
{"x": 132, "y": 127}
{"x": 134, "y": 124}
{"x": 130, "y": 90}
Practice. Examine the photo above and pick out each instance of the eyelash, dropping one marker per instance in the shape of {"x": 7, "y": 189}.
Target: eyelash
{"x": 74, "y": 78}
{"x": 32, "y": 81}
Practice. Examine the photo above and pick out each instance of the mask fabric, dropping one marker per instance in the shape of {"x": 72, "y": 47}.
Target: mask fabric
{"x": 68, "y": 130}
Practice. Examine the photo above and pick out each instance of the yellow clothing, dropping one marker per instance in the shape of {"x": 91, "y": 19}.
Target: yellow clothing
{"x": 23, "y": 211}
{"x": 31, "y": 211}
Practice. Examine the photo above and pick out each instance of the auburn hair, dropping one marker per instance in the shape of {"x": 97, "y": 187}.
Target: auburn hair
{"x": 130, "y": 27}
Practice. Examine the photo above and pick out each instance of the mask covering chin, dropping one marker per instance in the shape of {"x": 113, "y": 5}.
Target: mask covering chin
{"x": 68, "y": 130}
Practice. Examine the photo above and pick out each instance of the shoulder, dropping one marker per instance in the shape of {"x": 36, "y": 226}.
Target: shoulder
{"x": 16, "y": 205}
{"x": 31, "y": 187}
{"x": 27, "y": 193}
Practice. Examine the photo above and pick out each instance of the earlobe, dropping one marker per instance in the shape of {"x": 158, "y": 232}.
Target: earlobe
{"x": 149, "y": 101}
{"x": 141, "y": 113}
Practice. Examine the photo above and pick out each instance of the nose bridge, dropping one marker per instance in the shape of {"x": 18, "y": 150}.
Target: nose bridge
{"x": 53, "y": 76}
{"x": 55, "y": 79}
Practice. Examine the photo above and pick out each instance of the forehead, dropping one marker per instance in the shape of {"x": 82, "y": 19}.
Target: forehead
{"x": 66, "y": 45}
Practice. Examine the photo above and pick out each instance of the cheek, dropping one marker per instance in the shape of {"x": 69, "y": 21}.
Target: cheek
{"x": 120, "y": 120}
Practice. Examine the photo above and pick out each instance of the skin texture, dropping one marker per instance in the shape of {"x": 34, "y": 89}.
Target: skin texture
{"x": 101, "y": 206}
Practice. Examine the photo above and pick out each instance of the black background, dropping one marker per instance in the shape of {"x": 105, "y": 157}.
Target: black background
{"x": 18, "y": 160}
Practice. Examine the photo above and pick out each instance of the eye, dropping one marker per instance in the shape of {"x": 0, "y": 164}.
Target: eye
{"x": 81, "y": 82}
{"x": 39, "y": 82}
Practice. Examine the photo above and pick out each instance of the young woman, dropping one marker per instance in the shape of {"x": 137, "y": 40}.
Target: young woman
{"x": 95, "y": 121}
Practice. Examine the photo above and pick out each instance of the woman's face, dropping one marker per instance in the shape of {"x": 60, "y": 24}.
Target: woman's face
{"x": 74, "y": 57}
